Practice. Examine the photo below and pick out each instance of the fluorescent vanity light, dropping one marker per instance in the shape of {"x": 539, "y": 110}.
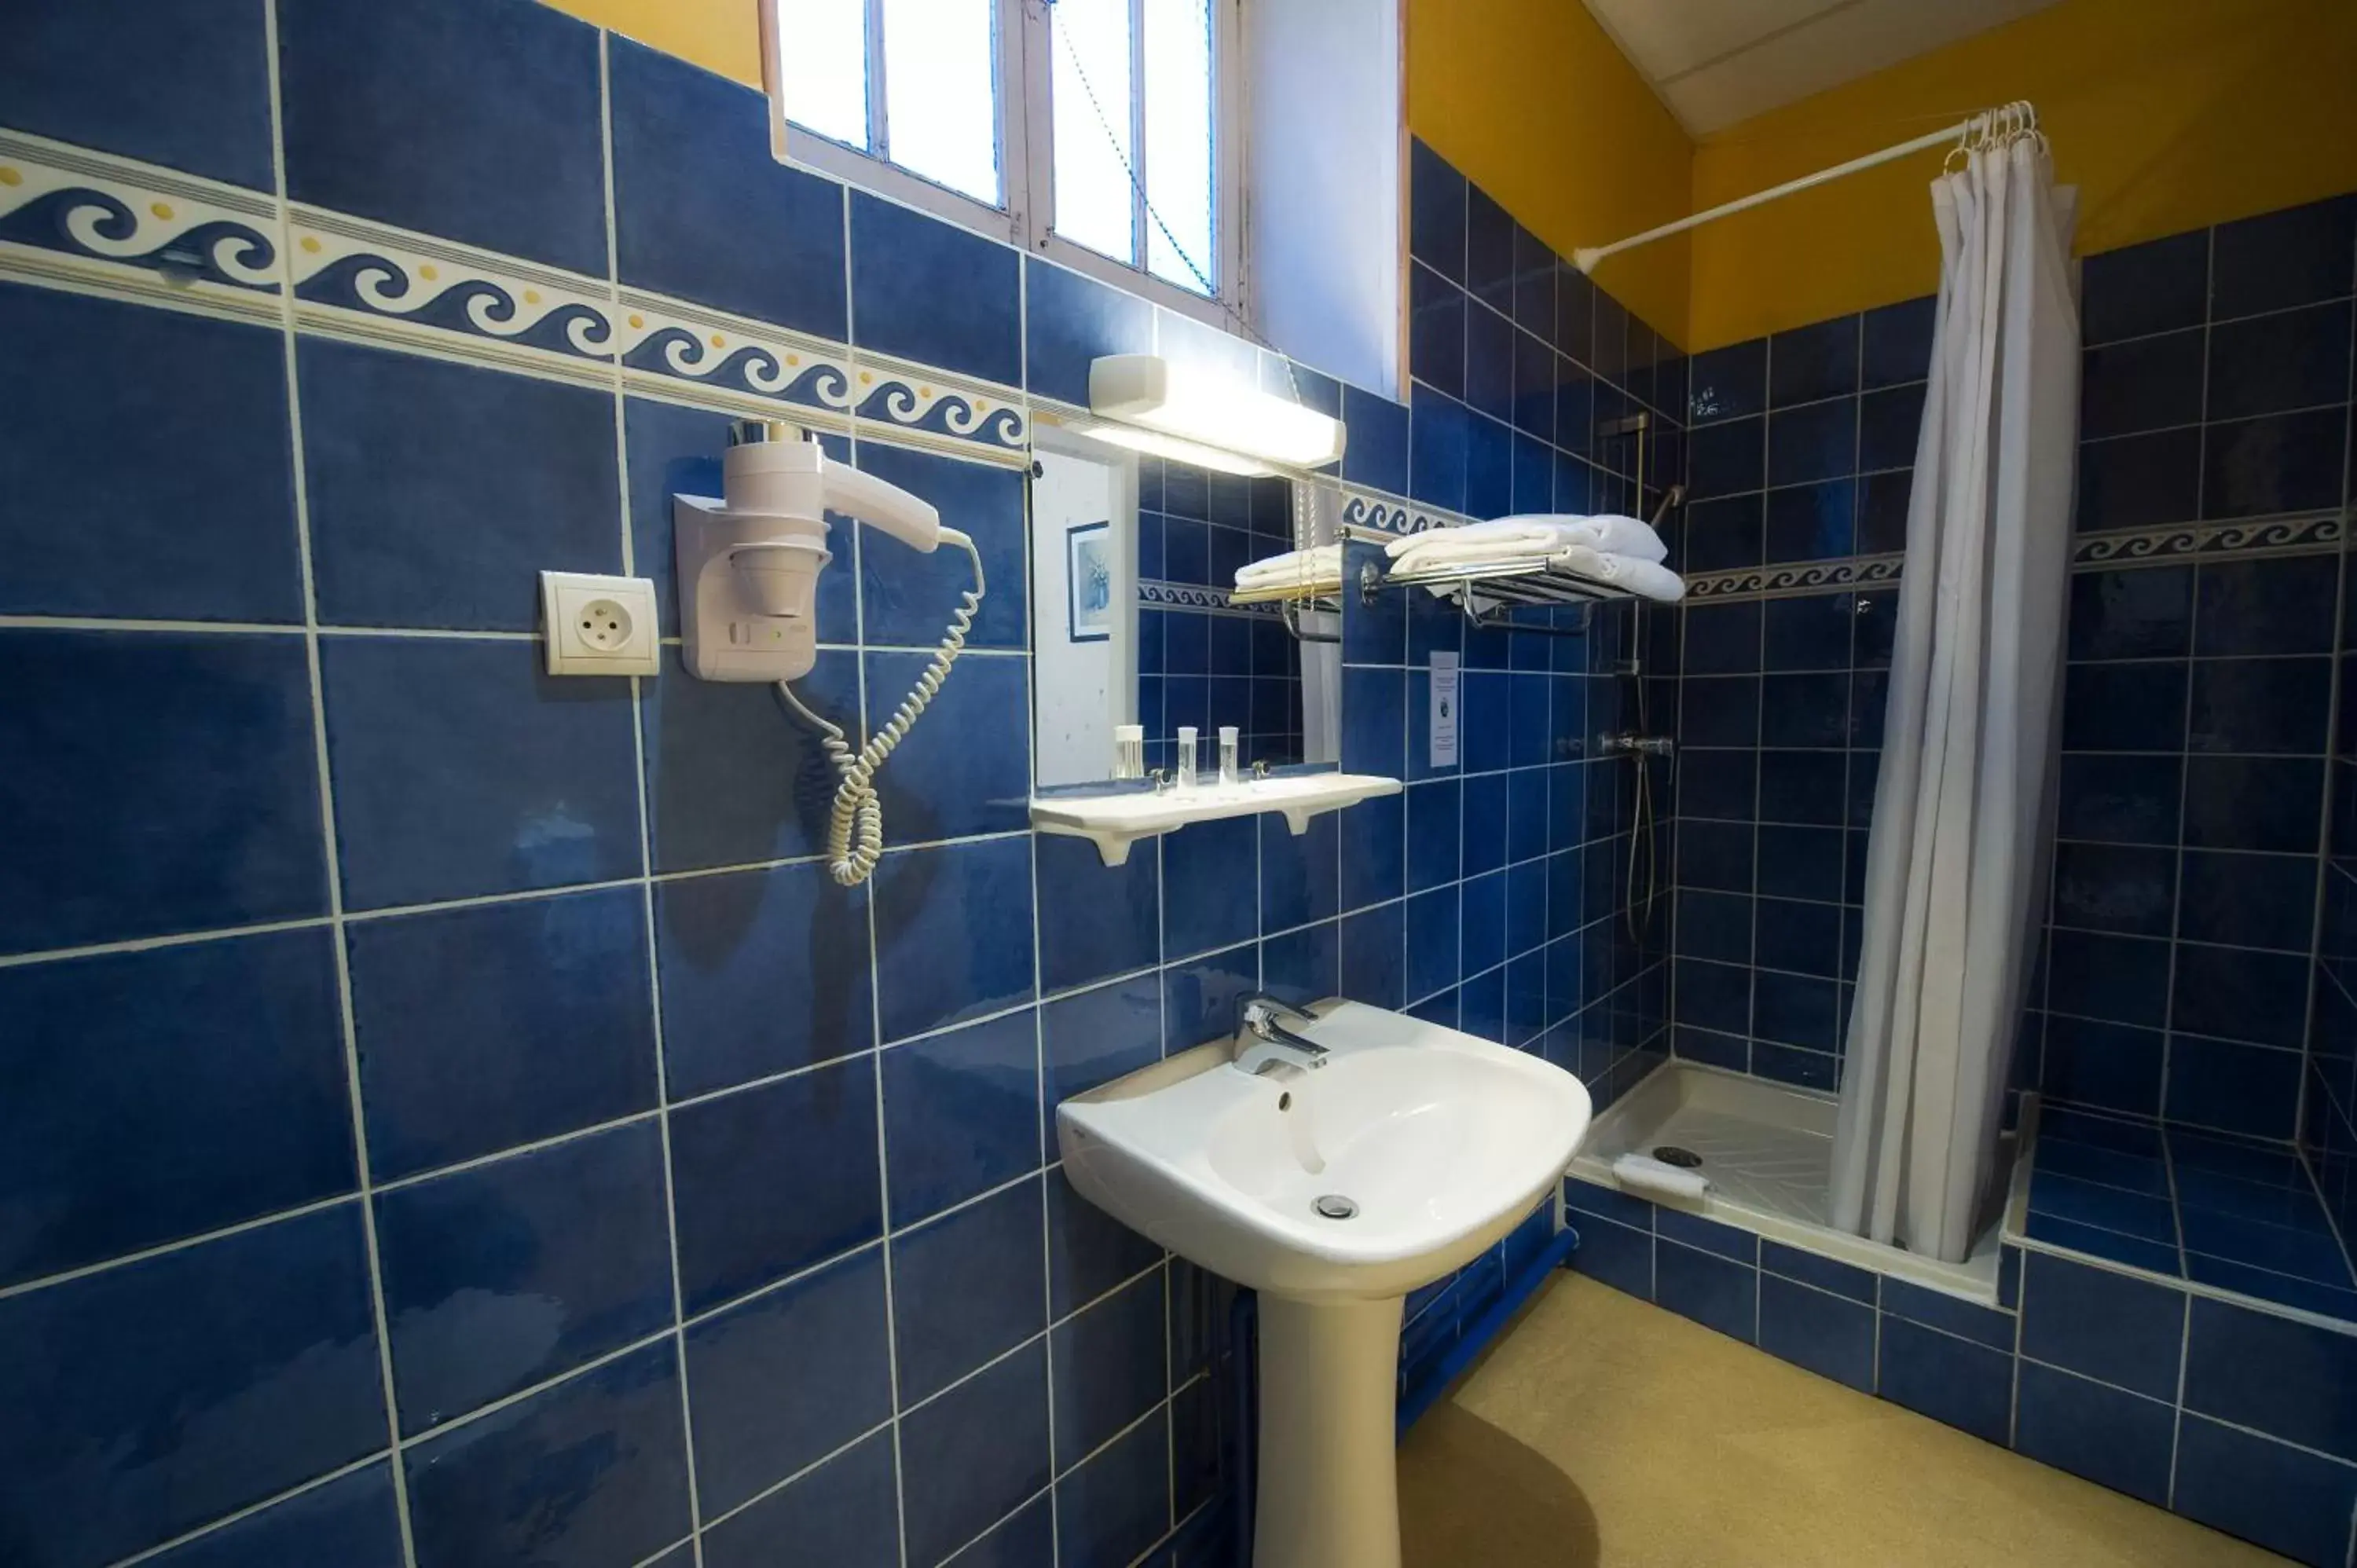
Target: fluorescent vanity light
{"x": 1209, "y": 410}
{"x": 1139, "y": 439}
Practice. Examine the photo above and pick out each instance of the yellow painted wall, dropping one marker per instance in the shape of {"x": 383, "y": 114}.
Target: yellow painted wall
{"x": 1534, "y": 104}
{"x": 2168, "y": 114}
{"x": 718, "y": 35}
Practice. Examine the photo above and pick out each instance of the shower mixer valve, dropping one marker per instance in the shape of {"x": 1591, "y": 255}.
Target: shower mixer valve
{"x": 1642, "y": 745}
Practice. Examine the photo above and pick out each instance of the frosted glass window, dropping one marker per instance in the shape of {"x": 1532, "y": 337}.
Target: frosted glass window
{"x": 823, "y": 69}
{"x": 1095, "y": 202}
{"x": 1178, "y": 177}
{"x": 941, "y": 92}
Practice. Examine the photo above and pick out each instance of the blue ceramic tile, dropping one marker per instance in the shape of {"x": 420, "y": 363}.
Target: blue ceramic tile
{"x": 438, "y": 491}
{"x": 844, "y": 1513}
{"x": 1889, "y": 424}
{"x": 497, "y": 109}
{"x": 1805, "y": 938}
{"x": 2120, "y": 800}
{"x": 1709, "y": 1235}
{"x": 2113, "y": 1438}
{"x": 1611, "y": 356}
{"x": 1713, "y": 1291}
{"x": 2138, "y": 290}
{"x": 1436, "y": 331}
{"x": 1723, "y": 640}
{"x": 1108, "y": 1367}
{"x": 2272, "y": 1375}
{"x": 1726, "y": 382}
{"x": 961, "y": 1113}
{"x": 1527, "y": 816}
{"x": 966, "y": 768}
{"x": 112, "y": 1387}
{"x": 2253, "y": 802}
{"x": 1118, "y": 1504}
{"x": 2096, "y": 1242}
{"x": 1489, "y": 363}
{"x": 202, "y": 502}
{"x": 906, "y": 599}
{"x": 1206, "y": 904}
{"x": 733, "y": 777}
{"x": 1096, "y": 920}
{"x": 2304, "y": 1254}
{"x": 1069, "y": 319}
{"x": 1810, "y": 363}
{"x": 1574, "y": 314}
{"x": 464, "y": 768}
{"x": 1298, "y": 873}
{"x": 731, "y": 946}
{"x": 1437, "y": 437}
{"x": 1800, "y": 862}
{"x": 1797, "y": 1010}
{"x": 1608, "y": 1203}
{"x": 1803, "y": 1069}
{"x": 2146, "y": 383}
{"x": 1804, "y": 710}
{"x": 176, "y": 791}
{"x": 2119, "y": 980}
{"x": 1535, "y": 286}
{"x": 2272, "y": 364}
{"x": 1723, "y": 786}
{"x": 787, "y": 1378}
{"x": 1434, "y": 925}
{"x": 2294, "y": 256}
{"x": 692, "y": 161}
{"x": 1303, "y": 966}
{"x": 1825, "y": 1273}
{"x": 1966, "y": 1385}
{"x": 1616, "y": 1254}
{"x": 506, "y": 1274}
{"x": 1484, "y": 934}
{"x": 2137, "y": 706}
{"x": 1089, "y": 1252}
{"x": 1488, "y": 249}
{"x": 1377, "y": 453}
{"x": 1725, "y": 534}
{"x": 1717, "y": 856}
{"x": 184, "y": 85}
{"x": 2266, "y": 1285}
{"x": 1727, "y": 459}
{"x": 2236, "y": 993}
{"x": 2140, "y": 481}
{"x": 812, "y": 1135}
{"x": 2106, "y": 1326}
{"x": 934, "y": 292}
{"x": 2286, "y": 1500}
{"x": 1201, "y": 999}
{"x": 484, "y": 1027}
{"x": 1094, "y": 1037}
{"x": 1953, "y": 1315}
{"x": 1374, "y": 850}
{"x": 2279, "y": 462}
{"x": 1373, "y": 943}
{"x": 592, "y": 1470}
{"x": 1801, "y": 787}
{"x": 2108, "y": 1066}
{"x": 2260, "y": 705}
{"x": 2113, "y": 1134}
{"x": 1536, "y": 374}
{"x": 1812, "y": 522}
{"x": 2255, "y": 900}
{"x": 351, "y": 1521}
{"x": 1897, "y": 342}
{"x": 161, "y": 1094}
{"x": 1815, "y": 441}
{"x": 1435, "y": 211}
{"x": 968, "y": 1457}
{"x": 1831, "y": 1337}
{"x": 1715, "y": 925}
{"x": 2247, "y": 608}
{"x": 953, "y": 928}
{"x": 1488, "y": 467}
{"x": 2292, "y": 1202}
{"x": 2144, "y": 613}
{"x": 2128, "y": 888}
{"x": 967, "y": 1287}
{"x": 1434, "y": 831}
{"x": 1025, "y": 1536}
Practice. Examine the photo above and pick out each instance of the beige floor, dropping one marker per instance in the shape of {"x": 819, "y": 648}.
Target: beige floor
{"x": 1602, "y": 1433}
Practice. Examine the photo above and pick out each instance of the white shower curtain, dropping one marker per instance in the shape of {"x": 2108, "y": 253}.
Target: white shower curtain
{"x": 1956, "y": 863}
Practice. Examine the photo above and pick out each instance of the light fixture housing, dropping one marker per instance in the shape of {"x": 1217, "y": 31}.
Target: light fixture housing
{"x": 1201, "y": 407}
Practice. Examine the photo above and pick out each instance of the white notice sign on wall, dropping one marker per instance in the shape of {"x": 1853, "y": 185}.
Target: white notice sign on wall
{"x": 1444, "y": 710}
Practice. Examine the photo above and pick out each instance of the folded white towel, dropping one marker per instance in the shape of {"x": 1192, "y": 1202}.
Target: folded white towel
{"x": 1649, "y": 579}
{"x": 1321, "y": 563}
{"x": 1532, "y": 532}
{"x": 1642, "y": 1172}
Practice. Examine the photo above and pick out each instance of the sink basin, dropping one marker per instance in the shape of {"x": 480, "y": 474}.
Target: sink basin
{"x": 1441, "y": 1141}
{"x": 1333, "y": 1193}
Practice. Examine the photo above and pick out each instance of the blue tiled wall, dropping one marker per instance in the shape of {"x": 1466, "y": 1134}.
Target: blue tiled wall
{"x": 2233, "y": 1416}
{"x": 453, "y": 1116}
{"x": 2197, "y": 707}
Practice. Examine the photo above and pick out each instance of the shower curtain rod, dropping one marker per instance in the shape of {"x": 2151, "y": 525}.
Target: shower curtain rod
{"x": 1954, "y": 135}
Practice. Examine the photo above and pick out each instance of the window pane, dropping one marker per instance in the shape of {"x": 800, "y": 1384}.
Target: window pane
{"x": 1178, "y": 153}
{"x": 941, "y": 92}
{"x": 823, "y": 67}
{"x": 1094, "y": 203}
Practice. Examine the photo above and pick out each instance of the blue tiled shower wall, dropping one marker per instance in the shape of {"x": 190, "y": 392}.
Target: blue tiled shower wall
{"x": 453, "y": 1116}
{"x": 2236, "y": 1417}
{"x": 2198, "y": 710}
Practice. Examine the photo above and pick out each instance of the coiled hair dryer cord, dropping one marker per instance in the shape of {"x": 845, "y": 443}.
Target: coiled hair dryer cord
{"x": 857, "y": 813}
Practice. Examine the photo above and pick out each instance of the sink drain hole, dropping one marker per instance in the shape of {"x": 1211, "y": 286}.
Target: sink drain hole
{"x": 1671, "y": 1154}
{"x": 1334, "y": 1206}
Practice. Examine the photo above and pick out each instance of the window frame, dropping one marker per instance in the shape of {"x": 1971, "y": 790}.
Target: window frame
{"x": 1026, "y": 155}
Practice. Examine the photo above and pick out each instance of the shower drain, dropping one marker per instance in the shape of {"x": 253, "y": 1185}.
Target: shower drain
{"x": 1671, "y": 1154}
{"x": 1334, "y": 1206}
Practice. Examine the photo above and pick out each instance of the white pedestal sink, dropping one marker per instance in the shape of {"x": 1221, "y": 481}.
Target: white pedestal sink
{"x": 1440, "y": 1143}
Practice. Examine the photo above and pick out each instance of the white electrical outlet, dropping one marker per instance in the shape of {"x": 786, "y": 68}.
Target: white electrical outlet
{"x": 598, "y": 626}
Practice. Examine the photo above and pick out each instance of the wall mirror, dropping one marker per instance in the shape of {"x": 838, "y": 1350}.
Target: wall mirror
{"x": 1132, "y": 556}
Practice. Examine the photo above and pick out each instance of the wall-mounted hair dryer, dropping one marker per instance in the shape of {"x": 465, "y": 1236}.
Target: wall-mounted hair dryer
{"x": 748, "y": 565}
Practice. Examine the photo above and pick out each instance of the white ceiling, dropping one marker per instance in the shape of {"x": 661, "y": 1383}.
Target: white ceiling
{"x": 1715, "y": 62}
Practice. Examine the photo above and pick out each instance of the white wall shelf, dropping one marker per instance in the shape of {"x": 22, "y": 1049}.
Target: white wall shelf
{"x": 1117, "y": 819}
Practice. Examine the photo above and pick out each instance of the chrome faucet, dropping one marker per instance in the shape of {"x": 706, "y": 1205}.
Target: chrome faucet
{"x": 1271, "y": 1044}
